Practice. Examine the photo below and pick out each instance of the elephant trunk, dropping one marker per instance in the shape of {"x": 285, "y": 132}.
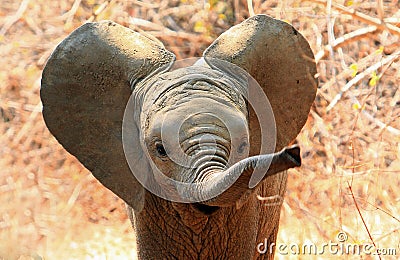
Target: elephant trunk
{"x": 234, "y": 181}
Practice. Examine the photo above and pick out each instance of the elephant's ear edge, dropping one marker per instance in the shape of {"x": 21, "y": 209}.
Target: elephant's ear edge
{"x": 85, "y": 87}
{"x": 280, "y": 59}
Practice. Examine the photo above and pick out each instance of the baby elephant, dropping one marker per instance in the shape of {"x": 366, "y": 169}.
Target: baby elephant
{"x": 189, "y": 146}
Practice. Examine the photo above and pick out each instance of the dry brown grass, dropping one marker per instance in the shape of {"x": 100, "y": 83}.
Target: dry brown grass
{"x": 51, "y": 207}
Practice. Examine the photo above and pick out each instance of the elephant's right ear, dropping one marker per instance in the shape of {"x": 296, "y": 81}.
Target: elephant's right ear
{"x": 86, "y": 85}
{"x": 280, "y": 59}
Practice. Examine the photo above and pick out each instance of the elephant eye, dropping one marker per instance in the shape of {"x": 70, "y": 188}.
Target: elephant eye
{"x": 242, "y": 146}
{"x": 160, "y": 149}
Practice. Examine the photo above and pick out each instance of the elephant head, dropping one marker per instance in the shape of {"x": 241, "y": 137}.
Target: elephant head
{"x": 114, "y": 100}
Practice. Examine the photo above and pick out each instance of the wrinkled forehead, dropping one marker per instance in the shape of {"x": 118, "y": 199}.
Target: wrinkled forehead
{"x": 160, "y": 88}
{"x": 197, "y": 114}
{"x": 196, "y": 89}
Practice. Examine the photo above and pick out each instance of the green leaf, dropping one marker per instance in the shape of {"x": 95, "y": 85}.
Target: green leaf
{"x": 374, "y": 79}
{"x": 354, "y": 69}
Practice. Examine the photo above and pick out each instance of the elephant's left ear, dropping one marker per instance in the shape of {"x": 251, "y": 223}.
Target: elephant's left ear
{"x": 85, "y": 88}
{"x": 279, "y": 58}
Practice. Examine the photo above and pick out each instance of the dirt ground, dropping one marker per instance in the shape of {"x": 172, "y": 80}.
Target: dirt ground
{"x": 348, "y": 187}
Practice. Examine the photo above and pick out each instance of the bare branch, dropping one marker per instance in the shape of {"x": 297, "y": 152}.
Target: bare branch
{"x": 360, "y": 76}
{"x": 13, "y": 19}
{"x": 361, "y": 216}
{"x": 161, "y": 31}
{"x": 345, "y": 39}
{"x": 250, "y": 7}
{"x": 379, "y": 9}
{"x": 98, "y": 11}
{"x": 71, "y": 13}
{"x": 362, "y": 17}
{"x": 382, "y": 125}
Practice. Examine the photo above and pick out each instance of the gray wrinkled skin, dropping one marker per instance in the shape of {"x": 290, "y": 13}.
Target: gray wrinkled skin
{"x": 109, "y": 96}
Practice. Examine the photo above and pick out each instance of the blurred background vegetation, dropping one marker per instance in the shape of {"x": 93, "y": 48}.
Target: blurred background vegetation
{"x": 51, "y": 207}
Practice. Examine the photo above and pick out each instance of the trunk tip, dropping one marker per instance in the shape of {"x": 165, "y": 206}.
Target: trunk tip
{"x": 294, "y": 153}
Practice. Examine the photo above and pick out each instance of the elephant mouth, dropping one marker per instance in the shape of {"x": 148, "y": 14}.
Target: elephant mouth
{"x": 205, "y": 209}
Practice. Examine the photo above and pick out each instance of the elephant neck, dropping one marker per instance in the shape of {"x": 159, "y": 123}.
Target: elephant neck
{"x": 166, "y": 230}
